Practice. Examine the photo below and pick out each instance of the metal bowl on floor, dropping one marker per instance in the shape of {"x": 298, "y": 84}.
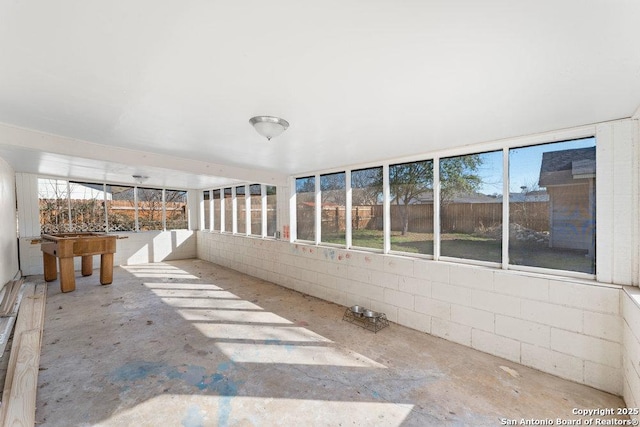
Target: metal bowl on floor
{"x": 357, "y": 310}
{"x": 371, "y": 314}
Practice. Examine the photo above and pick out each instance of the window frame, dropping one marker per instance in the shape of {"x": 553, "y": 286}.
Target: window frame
{"x": 499, "y": 146}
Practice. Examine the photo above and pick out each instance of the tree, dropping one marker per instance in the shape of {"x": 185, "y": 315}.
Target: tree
{"x": 458, "y": 176}
{"x": 332, "y": 187}
{"x": 409, "y": 182}
{"x": 366, "y": 186}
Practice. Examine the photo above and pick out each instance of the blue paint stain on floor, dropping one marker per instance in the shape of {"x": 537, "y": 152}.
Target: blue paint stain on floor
{"x": 193, "y": 375}
{"x": 225, "y": 366}
{"x": 137, "y": 370}
{"x": 193, "y": 417}
{"x": 219, "y": 383}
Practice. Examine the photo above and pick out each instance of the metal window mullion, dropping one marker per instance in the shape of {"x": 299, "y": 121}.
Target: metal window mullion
{"x": 201, "y": 219}
{"x": 222, "y": 213}
{"x": 347, "y": 209}
{"x": 386, "y": 207}
{"x": 69, "y": 205}
{"x": 293, "y": 214}
{"x": 234, "y": 211}
{"x": 135, "y": 209}
{"x": 505, "y": 209}
{"x": 106, "y": 209}
{"x": 212, "y": 206}
{"x": 263, "y": 210}
{"x": 436, "y": 208}
{"x": 164, "y": 209}
{"x": 247, "y": 209}
{"x": 318, "y": 211}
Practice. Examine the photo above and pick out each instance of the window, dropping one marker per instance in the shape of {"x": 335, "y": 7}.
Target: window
{"x": 149, "y": 209}
{"x": 215, "y": 205}
{"x": 80, "y": 206}
{"x": 176, "y": 210}
{"x": 366, "y": 210}
{"x": 241, "y": 210}
{"x": 255, "y": 193}
{"x": 333, "y": 208}
{"x": 552, "y": 206}
{"x": 471, "y": 206}
{"x": 54, "y": 205}
{"x": 206, "y": 197}
{"x": 411, "y": 193}
{"x": 272, "y": 210}
{"x": 228, "y": 210}
{"x": 120, "y": 208}
{"x": 86, "y": 202}
{"x": 305, "y": 209}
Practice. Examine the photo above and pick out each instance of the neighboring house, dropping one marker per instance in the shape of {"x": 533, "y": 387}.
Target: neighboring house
{"x": 569, "y": 177}
{"x": 528, "y": 196}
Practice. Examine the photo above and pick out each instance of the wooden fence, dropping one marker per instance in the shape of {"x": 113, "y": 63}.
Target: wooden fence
{"x": 454, "y": 217}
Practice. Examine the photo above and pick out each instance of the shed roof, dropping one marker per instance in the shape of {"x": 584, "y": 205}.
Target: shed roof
{"x": 566, "y": 166}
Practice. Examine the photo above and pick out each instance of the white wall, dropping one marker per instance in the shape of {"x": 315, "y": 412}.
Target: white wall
{"x": 8, "y": 244}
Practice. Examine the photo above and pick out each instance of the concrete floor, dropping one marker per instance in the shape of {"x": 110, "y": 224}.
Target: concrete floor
{"x": 189, "y": 343}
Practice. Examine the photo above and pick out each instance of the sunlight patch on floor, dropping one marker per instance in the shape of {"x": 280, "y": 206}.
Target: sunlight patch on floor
{"x": 291, "y": 354}
{"x": 193, "y": 293}
{"x": 202, "y": 410}
{"x": 258, "y": 332}
{"x": 160, "y": 271}
{"x": 211, "y": 303}
{"x": 240, "y": 316}
{"x": 184, "y": 286}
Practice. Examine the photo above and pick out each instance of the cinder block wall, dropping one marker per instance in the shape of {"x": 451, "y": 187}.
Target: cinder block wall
{"x": 631, "y": 347}
{"x": 566, "y": 327}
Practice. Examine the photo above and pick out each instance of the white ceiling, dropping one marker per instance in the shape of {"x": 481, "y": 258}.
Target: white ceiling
{"x": 359, "y": 81}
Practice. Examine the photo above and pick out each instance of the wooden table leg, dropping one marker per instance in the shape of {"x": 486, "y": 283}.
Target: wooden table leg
{"x": 106, "y": 269}
{"x": 67, "y": 275}
{"x": 87, "y": 265}
{"x": 50, "y": 267}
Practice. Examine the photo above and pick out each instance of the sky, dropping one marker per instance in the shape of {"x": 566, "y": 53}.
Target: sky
{"x": 524, "y": 165}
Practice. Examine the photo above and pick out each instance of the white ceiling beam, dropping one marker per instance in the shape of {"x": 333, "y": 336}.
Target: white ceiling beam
{"x": 48, "y": 143}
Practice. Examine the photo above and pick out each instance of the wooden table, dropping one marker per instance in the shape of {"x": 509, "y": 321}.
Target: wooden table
{"x": 65, "y": 246}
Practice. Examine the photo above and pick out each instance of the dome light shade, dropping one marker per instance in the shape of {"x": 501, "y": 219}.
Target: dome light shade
{"x": 269, "y": 126}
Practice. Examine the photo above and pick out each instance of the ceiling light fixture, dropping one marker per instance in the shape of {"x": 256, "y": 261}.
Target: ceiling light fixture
{"x": 140, "y": 178}
{"x": 269, "y": 126}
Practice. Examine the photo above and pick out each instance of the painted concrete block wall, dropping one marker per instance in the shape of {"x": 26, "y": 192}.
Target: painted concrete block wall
{"x": 131, "y": 248}
{"x": 616, "y": 211}
{"x": 566, "y": 327}
{"x": 631, "y": 347}
{"x": 8, "y": 249}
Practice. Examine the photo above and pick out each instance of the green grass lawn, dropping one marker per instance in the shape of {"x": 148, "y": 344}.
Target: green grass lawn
{"x": 468, "y": 246}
